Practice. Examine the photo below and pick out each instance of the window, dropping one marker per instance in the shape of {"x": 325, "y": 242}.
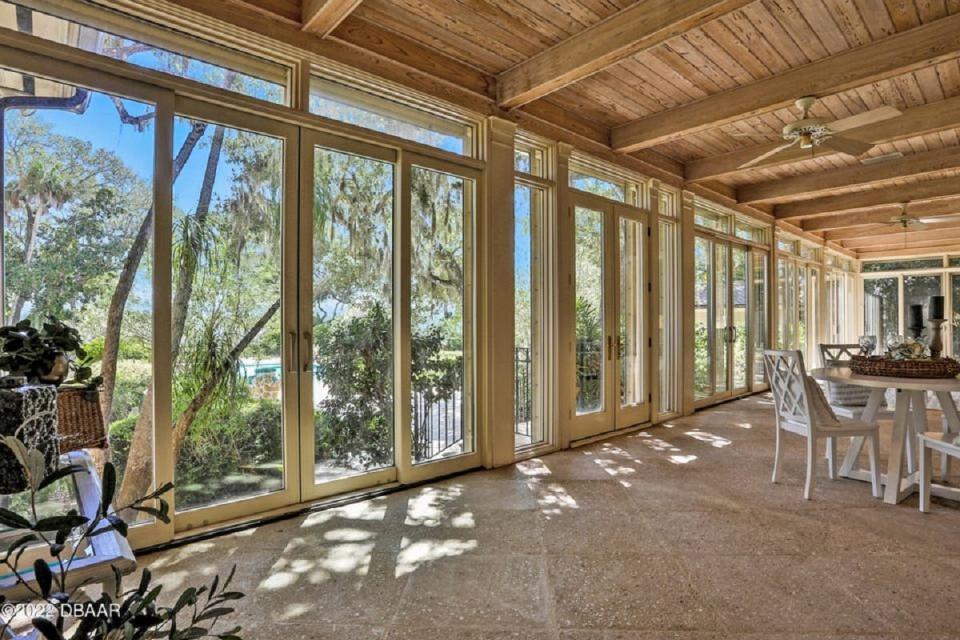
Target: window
{"x": 954, "y": 261}
{"x": 529, "y": 204}
{"x": 761, "y": 291}
{"x": 902, "y": 265}
{"x": 670, "y": 316}
{"x": 750, "y": 232}
{"x": 711, "y": 219}
{"x": 669, "y": 203}
{"x": 233, "y": 72}
{"x": 528, "y": 158}
{"x": 354, "y": 106}
{"x": 881, "y": 299}
{"x": 917, "y": 289}
{"x": 598, "y": 186}
{"x": 78, "y": 244}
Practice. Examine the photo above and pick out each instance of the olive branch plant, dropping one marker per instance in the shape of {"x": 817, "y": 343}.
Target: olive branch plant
{"x": 133, "y": 614}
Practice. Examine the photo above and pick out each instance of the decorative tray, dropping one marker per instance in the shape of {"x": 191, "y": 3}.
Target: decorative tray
{"x": 921, "y": 368}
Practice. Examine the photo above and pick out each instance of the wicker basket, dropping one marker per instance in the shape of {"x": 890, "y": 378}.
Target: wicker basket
{"x": 81, "y": 420}
{"x": 888, "y": 367}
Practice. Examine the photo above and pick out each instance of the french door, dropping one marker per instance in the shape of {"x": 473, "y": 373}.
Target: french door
{"x": 722, "y": 333}
{"x": 610, "y": 317}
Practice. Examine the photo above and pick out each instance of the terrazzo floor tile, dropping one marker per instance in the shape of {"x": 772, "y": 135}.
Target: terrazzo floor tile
{"x": 673, "y": 532}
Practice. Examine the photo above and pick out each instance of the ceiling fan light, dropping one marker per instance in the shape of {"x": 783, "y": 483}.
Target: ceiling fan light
{"x": 806, "y": 141}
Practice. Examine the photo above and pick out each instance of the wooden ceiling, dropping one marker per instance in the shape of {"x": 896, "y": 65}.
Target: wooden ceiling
{"x": 669, "y": 85}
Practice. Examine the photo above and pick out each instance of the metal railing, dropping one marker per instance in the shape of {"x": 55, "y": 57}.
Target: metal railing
{"x": 523, "y": 392}
{"x": 589, "y": 375}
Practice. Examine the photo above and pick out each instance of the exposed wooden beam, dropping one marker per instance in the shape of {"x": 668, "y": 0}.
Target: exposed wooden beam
{"x": 886, "y": 230}
{"x": 830, "y": 180}
{"x": 880, "y": 215}
{"x": 927, "y": 190}
{"x": 323, "y": 16}
{"x": 917, "y": 121}
{"x": 949, "y": 243}
{"x": 934, "y": 249}
{"x": 639, "y": 27}
{"x": 911, "y": 238}
{"x": 900, "y": 53}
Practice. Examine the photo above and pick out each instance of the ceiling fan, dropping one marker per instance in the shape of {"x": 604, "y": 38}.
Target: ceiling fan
{"x": 916, "y": 223}
{"x": 808, "y": 132}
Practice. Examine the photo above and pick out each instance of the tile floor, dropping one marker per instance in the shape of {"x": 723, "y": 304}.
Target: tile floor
{"x": 673, "y": 532}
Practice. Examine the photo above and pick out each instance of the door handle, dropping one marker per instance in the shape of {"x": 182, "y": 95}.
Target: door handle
{"x": 307, "y": 352}
{"x": 609, "y": 347}
{"x": 292, "y": 352}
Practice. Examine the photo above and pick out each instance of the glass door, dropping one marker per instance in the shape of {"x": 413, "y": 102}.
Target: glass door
{"x": 610, "y": 330}
{"x": 436, "y": 295}
{"x": 722, "y": 325}
{"x": 233, "y": 326}
{"x": 347, "y": 315}
{"x": 739, "y": 327}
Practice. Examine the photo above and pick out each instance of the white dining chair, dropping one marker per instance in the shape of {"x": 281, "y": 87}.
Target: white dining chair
{"x": 801, "y": 408}
{"x": 927, "y": 443}
{"x": 850, "y": 400}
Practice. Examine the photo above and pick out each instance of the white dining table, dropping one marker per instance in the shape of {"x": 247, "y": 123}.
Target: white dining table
{"x": 911, "y": 405}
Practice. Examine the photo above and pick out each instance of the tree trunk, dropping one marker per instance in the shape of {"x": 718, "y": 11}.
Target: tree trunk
{"x": 203, "y": 395}
{"x": 128, "y": 273}
{"x": 139, "y": 470}
{"x": 29, "y": 243}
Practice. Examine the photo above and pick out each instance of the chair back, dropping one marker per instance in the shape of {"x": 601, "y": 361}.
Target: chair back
{"x": 839, "y": 394}
{"x": 838, "y": 355}
{"x": 787, "y": 377}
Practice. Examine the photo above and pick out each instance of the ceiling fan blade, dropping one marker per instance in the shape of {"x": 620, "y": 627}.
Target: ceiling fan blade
{"x": 848, "y": 146}
{"x": 863, "y": 119}
{"x": 937, "y": 219}
{"x": 763, "y": 156}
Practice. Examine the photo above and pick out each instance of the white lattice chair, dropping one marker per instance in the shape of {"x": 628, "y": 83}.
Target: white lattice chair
{"x": 798, "y": 413}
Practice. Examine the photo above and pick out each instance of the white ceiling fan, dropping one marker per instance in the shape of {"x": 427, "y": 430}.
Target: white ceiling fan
{"x": 916, "y": 223}
{"x": 808, "y": 132}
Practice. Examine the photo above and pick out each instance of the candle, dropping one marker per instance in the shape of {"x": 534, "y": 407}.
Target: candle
{"x": 915, "y": 316}
{"x": 936, "y": 307}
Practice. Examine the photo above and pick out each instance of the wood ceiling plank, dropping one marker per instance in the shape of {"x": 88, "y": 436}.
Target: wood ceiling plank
{"x": 903, "y": 13}
{"x": 876, "y": 18}
{"x": 927, "y": 190}
{"x": 850, "y": 22}
{"x": 637, "y": 28}
{"x": 904, "y": 253}
{"x": 724, "y": 37}
{"x": 881, "y": 215}
{"x": 821, "y": 21}
{"x": 913, "y": 165}
{"x": 913, "y": 237}
{"x": 947, "y": 243}
{"x": 913, "y": 122}
{"x": 900, "y": 53}
{"x": 323, "y": 16}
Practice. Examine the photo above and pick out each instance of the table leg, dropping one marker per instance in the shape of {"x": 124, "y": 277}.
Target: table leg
{"x": 918, "y": 424}
{"x": 898, "y": 440}
{"x": 926, "y": 461}
{"x": 869, "y": 416}
{"x": 952, "y": 425}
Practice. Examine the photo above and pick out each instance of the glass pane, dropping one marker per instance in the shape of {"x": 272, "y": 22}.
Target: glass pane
{"x": 599, "y": 186}
{"x": 588, "y": 276}
{"x": 902, "y": 265}
{"x": 759, "y": 313}
{"x": 702, "y": 318}
{"x": 955, "y": 316}
{"x": 917, "y": 290}
{"x": 721, "y": 317}
{"x": 346, "y": 104}
{"x": 49, "y": 27}
{"x": 802, "y": 310}
{"x": 352, "y": 314}
{"x": 226, "y": 330}
{"x": 440, "y": 220}
{"x": 78, "y": 244}
{"x": 880, "y": 308}
{"x": 669, "y": 320}
{"x": 631, "y": 332}
{"x": 740, "y": 337}
{"x": 528, "y": 203}
{"x": 711, "y": 220}
{"x": 522, "y": 161}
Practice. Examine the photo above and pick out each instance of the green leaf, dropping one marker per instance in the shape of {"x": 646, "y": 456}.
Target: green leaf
{"x": 56, "y": 523}
{"x": 46, "y": 628}
{"x": 41, "y": 571}
{"x": 62, "y": 472}
{"x": 109, "y": 487}
{"x": 13, "y": 520}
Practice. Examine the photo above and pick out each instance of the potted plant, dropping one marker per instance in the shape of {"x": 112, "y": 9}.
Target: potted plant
{"x": 46, "y": 355}
{"x": 132, "y": 614}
